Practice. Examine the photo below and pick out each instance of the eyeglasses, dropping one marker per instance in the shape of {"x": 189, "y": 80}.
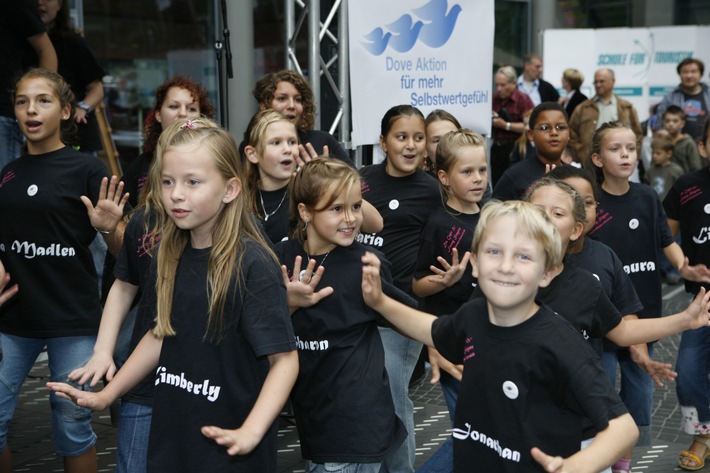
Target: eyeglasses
{"x": 560, "y": 127}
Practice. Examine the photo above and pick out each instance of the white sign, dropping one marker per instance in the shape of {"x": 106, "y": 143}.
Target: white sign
{"x": 644, "y": 60}
{"x": 426, "y": 53}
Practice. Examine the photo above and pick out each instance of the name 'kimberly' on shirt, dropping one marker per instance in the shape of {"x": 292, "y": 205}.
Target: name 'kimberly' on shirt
{"x": 179, "y": 381}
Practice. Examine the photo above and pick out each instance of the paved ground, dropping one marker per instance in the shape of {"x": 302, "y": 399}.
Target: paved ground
{"x": 30, "y": 432}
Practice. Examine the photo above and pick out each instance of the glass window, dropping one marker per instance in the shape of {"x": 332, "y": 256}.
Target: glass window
{"x": 141, "y": 44}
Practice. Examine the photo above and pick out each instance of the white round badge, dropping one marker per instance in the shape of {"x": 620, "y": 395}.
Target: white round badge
{"x": 707, "y": 208}
{"x": 633, "y": 224}
{"x": 510, "y": 390}
{"x": 394, "y": 204}
{"x": 32, "y": 190}
{"x": 2, "y": 247}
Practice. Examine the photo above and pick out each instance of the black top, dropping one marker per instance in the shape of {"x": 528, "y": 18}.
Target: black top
{"x": 530, "y": 385}
{"x": 135, "y": 177}
{"x": 44, "y": 244}
{"x": 517, "y": 178}
{"x": 273, "y": 211}
{"x": 200, "y": 382}
{"x": 577, "y": 98}
{"x": 134, "y": 266}
{"x": 79, "y": 68}
{"x": 634, "y": 225}
{"x": 20, "y": 20}
{"x": 405, "y": 204}
{"x": 342, "y": 399}
{"x": 602, "y": 262}
{"x": 445, "y": 230}
{"x": 688, "y": 202}
{"x": 548, "y": 92}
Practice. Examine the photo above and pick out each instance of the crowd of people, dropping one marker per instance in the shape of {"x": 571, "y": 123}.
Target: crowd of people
{"x": 274, "y": 270}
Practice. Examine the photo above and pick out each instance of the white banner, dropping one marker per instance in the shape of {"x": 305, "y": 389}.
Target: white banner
{"x": 644, "y": 60}
{"x": 426, "y": 53}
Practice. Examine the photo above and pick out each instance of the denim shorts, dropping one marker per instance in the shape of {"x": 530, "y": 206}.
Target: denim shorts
{"x": 73, "y": 433}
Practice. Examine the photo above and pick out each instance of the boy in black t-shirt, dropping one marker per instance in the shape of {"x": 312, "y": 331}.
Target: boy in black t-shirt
{"x": 529, "y": 378}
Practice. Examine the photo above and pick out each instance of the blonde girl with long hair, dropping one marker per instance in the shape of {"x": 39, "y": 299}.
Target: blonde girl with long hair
{"x": 222, "y": 347}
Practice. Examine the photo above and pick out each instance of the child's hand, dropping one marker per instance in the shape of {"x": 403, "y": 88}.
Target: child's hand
{"x": 549, "y": 463}
{"x": 109, "y": 208}
{"x": 371, "y": 282}
{"x": 657, "y": 370}
{"x": 549, "y": 167}
{"x": 698, "y": 272}
{"x": 301, "y": 288}
{"x": 439, "y": 363}
{"x": 307, "y": 153}
{"x": 5, "y": 295}
{"x": 238, "y": 441}
{"x": 698, "y": 312}
{"x": 96, "y": 368}
{"x": 452, "y": 273}
{"x": 88, "y": 399}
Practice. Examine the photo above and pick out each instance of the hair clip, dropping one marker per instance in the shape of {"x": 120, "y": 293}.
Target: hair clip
{"x": 188, "y": 124}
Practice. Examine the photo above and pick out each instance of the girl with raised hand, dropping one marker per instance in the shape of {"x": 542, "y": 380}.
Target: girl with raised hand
{"x": 132, "y": 271}
{"x": 222, "y": 348}
{"x": 53, "y": 200}
{"x": 442, "y": 275}
{"x": 342, "y": 401}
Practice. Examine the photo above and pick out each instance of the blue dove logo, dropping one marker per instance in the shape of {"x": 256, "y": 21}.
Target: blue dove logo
{"x": 432, "y": 24}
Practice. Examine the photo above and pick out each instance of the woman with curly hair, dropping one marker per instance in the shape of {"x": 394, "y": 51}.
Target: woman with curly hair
{"x": 177, "y": 98}
{"x": 289, "y": 93}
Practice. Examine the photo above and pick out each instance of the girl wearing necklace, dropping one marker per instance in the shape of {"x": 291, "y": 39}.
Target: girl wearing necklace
{"x": 271, "y": 160}
{"x": 344, "y": 410}
{"x": 272, "y": 152}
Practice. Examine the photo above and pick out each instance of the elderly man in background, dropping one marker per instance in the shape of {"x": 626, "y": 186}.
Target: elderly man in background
{"x": 530, "y": 83}
{"x": 604, "y": 107}
{"x": 509, "y": 106}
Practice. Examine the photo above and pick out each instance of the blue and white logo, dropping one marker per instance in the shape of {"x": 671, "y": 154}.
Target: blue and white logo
{"x": 432, "y": 24}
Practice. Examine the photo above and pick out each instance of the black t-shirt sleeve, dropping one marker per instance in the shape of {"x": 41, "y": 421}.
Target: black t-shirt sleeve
{"x": 607, "y": 317}
{"x": 265, "y": 311}
{"x": 597, "y": 399}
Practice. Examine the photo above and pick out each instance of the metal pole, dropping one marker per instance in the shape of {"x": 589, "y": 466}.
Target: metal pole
{"x": 314, "y": 54}
{"x": 290, "y": 21}
{"x": 344, "y": 74}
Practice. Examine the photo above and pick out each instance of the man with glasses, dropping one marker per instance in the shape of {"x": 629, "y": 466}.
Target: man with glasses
{"x": 604, "y": 107}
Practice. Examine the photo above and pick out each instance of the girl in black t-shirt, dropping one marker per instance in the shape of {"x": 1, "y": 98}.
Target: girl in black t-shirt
{"x": 632, "y": 222}
{"x": 222, "y": 347}
{"x": 272, "y": 147}
{"x": 442, "y": 275}
{"x": 342, "y": 402}
{"x": 47, "y": 201}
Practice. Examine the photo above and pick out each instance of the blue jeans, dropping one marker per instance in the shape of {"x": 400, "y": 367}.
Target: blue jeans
{"x": 450, "y": 387}
{"x": 692, "y": 384}
{"x": 401, "y": 355}
{"x": 98, "y": 250}
{"x": 636, "y": 389}
{"x": 133, "y": 434}
{"x": 342, "y": 467}
{"x": 11, "y": 140}
{"x": 73, "y": 434}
